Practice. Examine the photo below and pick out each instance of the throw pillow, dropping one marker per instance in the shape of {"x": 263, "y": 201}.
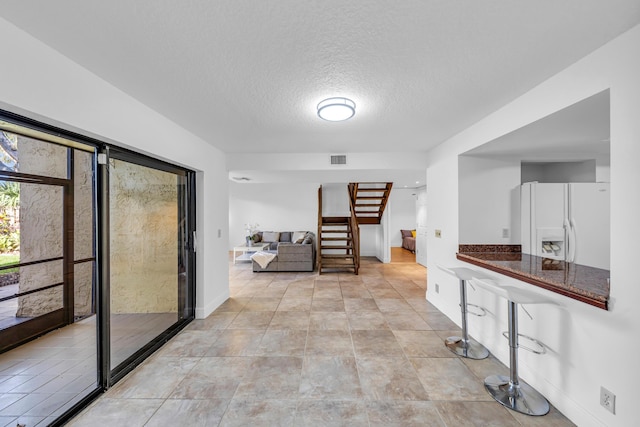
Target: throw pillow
{"x": 257, "y": 238}
{"x": 298, "y": 236}
{"x": 270, "y": 236}
{"x": 285, "y": 236}
{"x": 413, "y": 233}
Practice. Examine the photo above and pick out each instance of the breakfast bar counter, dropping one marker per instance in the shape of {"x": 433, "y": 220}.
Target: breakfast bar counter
{"x": 580, "y": 282}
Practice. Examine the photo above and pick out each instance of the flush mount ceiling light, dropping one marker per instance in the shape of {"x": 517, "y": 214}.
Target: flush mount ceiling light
{"x": 336, "y": 109}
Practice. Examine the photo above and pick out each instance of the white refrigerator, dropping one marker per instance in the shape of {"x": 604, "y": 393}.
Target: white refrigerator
{"x": 566, "y": 222}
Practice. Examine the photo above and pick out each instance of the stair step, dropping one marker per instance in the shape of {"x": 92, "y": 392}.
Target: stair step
{"x": 336, "y": 247}
{"x": 332, "y": 219}
{"x": 368, "y": 220}
{"x": 335, "y": 256}
{"x": 335, "y": 224}
{"x": 335, "y": 231}
{"x": 336, "y": 239}
{"x": 380, "y": 190}
{"x": 369, "y": 197}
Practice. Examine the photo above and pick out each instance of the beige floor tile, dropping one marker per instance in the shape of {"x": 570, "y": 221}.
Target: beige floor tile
{"x": 259, "y": 413}
{"x": 233, "y": 304}
{"x": 475, "y": 414}
{"x": 189, "y": 343}
{"x": 236, "y": 342}
{"x": 406, "y": 321}
{"x": 378, "y": 343}
{"x": 329, "y": 343}
{"x": 275, "y": 377}
{"x": 295, "y": 303}
{"x": 262, "y": 304}
{"x": 389, "y": 378}
{"x": 251, "y": 320}
{"x": 367, "y": 320}
{"x": 438, "y": 321}
{"x": 403, "y": 414}
{"x": 180, "y": 412}
{"x": 213, "y": 377}
{"x": 156, "y": 378}
{"x": 360, "y": 304}
{"x": 336, "y": 321}
{"x": 117, "y": 412}
{"x": 331, "y": 413}
{"x": 385, "y": 293}
{"x": 290, "y": 320}
{"x": 216, "y": 320}
{"x": 327, "y": 304}
{"x": 323, "y": 290}
{"x": 449, "y": 379}
{"x": 330, "y": 378}
{"x": 393, "y": 304}
{"x": 293, "y": 349}
{"x": 422, "y": 344}
{"x": 282, "y": 343}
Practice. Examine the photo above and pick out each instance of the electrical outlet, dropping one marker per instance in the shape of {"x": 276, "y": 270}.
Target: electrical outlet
{"x": 608, "y": 400}
{"x": 437, "y": 288}
{"x": 505, "y": 233}
{"x": 438, "y": 234}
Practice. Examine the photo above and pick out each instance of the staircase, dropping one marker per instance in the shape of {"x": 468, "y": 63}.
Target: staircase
{"x": 339, "y": 236}
{"x": 369, "y": 200}
{"x": 338, "y": 243}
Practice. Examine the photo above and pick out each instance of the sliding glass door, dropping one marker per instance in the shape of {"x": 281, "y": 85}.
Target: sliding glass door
{"x": 149, "y": 254}
{"x": 97, "y": 261}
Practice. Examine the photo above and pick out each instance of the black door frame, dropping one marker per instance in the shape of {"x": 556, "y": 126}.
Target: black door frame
{"x": 23, "y": 332}
{"x": 106, "y": 377}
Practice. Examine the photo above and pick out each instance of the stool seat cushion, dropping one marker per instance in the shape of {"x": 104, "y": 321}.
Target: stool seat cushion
{"x": 464, "y": 273}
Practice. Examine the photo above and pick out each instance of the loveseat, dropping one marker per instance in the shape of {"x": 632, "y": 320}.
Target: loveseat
{"x": 295, "y": 251}
{"x": 408, "y": 240}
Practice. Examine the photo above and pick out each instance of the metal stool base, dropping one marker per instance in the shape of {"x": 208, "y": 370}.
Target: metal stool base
{"x": 472, "y": 349}
{"x": 520, "y": 398}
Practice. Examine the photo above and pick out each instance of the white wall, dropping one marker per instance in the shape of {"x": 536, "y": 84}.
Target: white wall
{"x": 421, "y": 232}
{"x": 276, "y": 207}
{"x": 589, "y": 347}
{"x": 402, "y": 213}
{"x": 44, "y": 85}
{"x": 489, "y": 200}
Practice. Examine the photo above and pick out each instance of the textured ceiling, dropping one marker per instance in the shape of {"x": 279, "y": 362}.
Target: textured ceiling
{"x": 246, "y": 75}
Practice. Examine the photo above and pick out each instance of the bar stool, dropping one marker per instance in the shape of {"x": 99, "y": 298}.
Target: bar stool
{"x": 510, "y": 391}
{"x": 465, "y": 346}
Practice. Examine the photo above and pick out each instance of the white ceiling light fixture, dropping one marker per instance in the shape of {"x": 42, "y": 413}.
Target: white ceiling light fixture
{"x": 336, "y": 109}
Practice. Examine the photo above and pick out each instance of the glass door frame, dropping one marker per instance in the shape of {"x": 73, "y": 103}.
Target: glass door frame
{"x": 106, "y": 377}
{"x": 26, "y": 331}
{"x": 187, "y": 204}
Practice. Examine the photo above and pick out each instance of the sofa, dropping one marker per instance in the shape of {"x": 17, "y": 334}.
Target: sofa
{"x": 294, "y": 250}
{"x": 408, "y": 240}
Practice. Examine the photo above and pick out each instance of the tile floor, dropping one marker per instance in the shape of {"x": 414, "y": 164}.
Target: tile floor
{"x": 42, "y": 379}
{"x": 293, "y": 349}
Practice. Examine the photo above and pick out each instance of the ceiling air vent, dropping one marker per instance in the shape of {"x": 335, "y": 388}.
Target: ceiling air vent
{"x": 338, "y": 159}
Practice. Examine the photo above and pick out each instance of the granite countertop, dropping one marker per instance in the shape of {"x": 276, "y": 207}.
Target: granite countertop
{"x": 580, "y": 282}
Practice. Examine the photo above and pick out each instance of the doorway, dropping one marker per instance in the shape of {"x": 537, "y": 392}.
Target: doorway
{"x": 97, "y": 266}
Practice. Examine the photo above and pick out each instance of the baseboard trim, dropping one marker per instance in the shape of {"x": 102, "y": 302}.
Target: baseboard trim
{"x": 202, "y": 313}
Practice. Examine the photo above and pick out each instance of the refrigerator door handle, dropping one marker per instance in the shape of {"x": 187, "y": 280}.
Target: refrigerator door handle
{"x": 572, "y": 224}
{"x": 567, "y": 240}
